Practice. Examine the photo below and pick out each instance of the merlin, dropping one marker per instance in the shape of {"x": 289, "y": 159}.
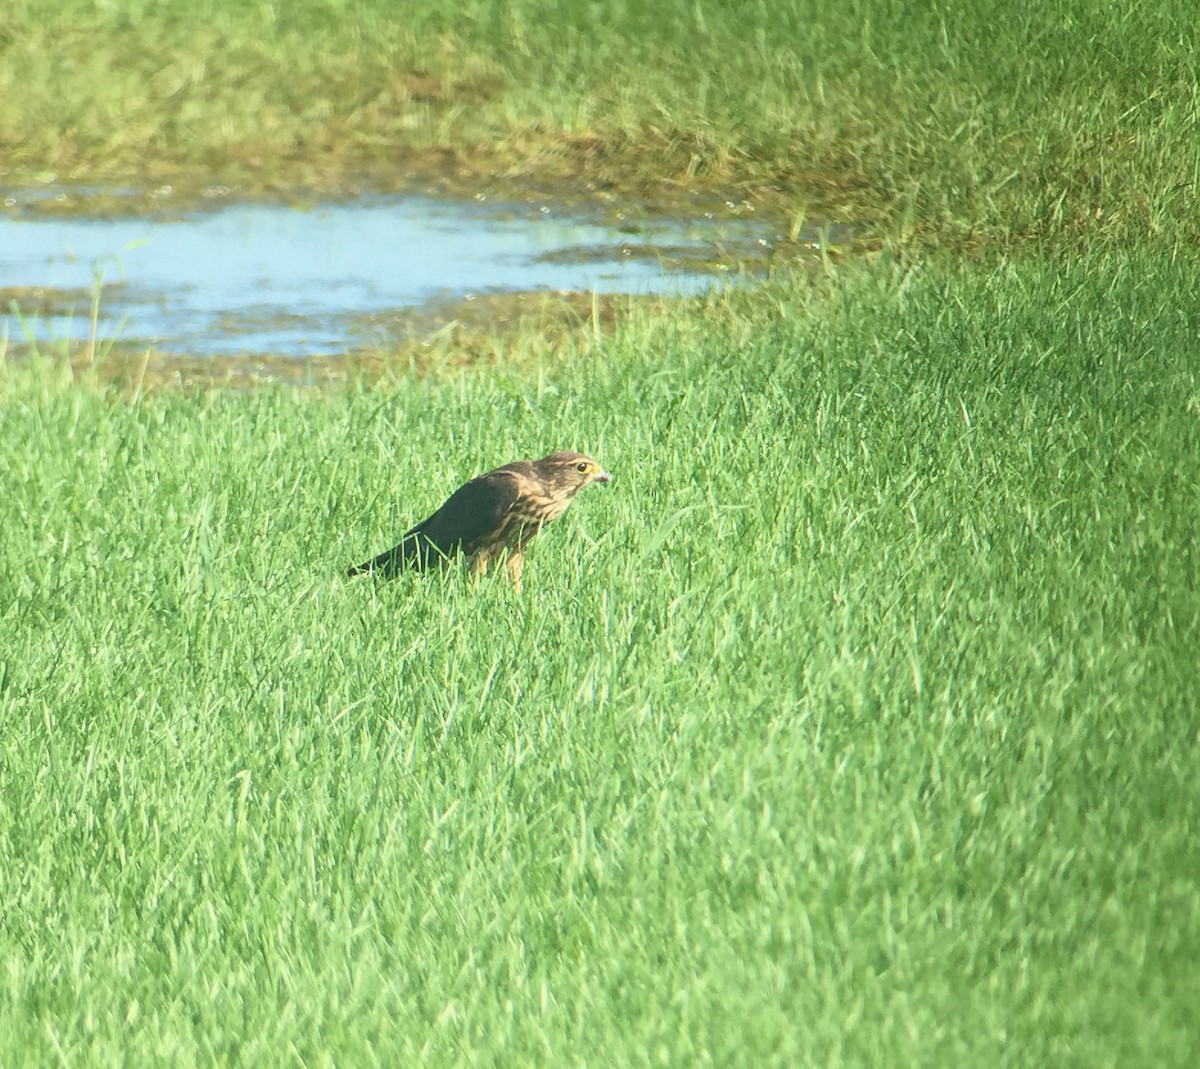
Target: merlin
{"x": 491, "y": 517}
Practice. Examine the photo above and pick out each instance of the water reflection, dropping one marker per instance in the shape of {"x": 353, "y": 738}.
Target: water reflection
{"x": 268, "y": 278}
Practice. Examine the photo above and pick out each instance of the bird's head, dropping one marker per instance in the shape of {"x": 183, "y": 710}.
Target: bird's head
{"x": 569, "y": 473}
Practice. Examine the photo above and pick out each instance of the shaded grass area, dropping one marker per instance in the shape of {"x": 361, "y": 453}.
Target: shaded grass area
{"x": 853, "y": 725}
{"x": 964, "y": 124}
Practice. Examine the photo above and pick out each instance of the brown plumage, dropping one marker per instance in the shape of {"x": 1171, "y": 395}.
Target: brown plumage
{"x": 493, "y": 516}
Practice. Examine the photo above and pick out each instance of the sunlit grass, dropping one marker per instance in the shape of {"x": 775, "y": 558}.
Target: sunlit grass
{"x": 852, "y": 725}
{"x": 972, "y": 123}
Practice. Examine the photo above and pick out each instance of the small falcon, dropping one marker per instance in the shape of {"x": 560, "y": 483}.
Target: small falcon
{"x": 493, "y": 516}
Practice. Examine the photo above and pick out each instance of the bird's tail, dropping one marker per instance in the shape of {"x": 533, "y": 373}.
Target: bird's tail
{"x": 386, "y": 564}
{"x": 414, "y": 551}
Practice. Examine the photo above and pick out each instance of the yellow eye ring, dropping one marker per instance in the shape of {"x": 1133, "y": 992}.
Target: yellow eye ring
{"x": 582, "y": 466}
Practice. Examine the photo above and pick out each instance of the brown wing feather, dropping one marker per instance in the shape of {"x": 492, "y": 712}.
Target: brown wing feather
{"x": 472, "y": 512}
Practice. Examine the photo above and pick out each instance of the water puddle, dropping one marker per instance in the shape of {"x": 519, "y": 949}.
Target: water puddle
{"x": 264, "y": 278}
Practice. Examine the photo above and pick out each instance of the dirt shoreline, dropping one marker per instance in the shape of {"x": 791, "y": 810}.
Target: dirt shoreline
{"x": 161, "y": 186}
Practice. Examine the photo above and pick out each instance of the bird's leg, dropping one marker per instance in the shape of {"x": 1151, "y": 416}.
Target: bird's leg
{"x": 478, "y": 566}
{"x": 515, "y": 562}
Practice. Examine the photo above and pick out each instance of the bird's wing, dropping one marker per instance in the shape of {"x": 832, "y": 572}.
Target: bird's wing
{"x": 473, "y": 511}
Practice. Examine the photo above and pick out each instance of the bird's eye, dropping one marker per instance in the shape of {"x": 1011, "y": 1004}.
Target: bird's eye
{"x": 582, "y": 466}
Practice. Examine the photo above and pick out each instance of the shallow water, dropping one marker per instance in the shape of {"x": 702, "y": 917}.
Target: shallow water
{"x": 260, "y": 278}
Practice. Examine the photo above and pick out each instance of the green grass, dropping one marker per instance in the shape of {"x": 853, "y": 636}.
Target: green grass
{"x": 962, "y": 123}
{"x": 853, "y": 725}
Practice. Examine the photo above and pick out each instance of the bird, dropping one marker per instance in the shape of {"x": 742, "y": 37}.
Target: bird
{"x": 493, "y": 516}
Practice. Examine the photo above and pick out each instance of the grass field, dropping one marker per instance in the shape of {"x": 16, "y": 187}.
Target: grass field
{"x": 962, "y": 123}
{"x": 855, "y": 723}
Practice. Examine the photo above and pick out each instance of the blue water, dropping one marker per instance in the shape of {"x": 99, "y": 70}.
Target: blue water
{"x": 269, "y": 278}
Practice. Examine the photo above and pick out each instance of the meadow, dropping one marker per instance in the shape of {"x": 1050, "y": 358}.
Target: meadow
{"x": 854, "y": 723}
{"x": 960, "y": 124}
